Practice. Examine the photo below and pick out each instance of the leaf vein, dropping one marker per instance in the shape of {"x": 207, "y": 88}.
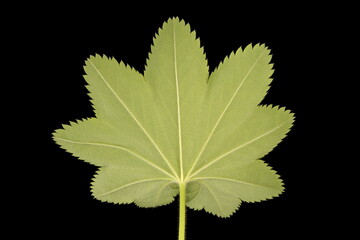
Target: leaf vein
{"x": 214, "y": 196}
{"x": 121, "y": 148}
{"x": 230, "y": 180}
{"x": 133, "y": 183}
{"x": 237, "y": 148}
{"x": 160, "y": 191}
{"x": 178, "y": 104}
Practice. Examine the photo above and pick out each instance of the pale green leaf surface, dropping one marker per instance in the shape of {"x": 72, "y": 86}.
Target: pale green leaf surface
{"x": 101, "y": 144}
{"x": 178, "y": 124}
{"x": 222, "y": 192}
{"x": 141, "y": 185}
{"x": 177, "y": 73}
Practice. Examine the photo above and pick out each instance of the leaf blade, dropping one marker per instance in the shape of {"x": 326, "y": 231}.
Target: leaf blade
{"x": 175, "y": 125}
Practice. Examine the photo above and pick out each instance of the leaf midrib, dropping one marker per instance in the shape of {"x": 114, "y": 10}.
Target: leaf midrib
{"x": 178, "y": 105}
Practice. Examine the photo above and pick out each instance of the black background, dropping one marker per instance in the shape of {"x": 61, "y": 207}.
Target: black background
{"x": 52, "y": 46}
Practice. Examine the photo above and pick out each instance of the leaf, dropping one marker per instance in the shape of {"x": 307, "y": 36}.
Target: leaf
{"x": 177, "y": 125}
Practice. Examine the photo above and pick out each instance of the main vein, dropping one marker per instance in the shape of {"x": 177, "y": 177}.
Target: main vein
{"x": 178, "y": 106}
{"x": 235, "y": 149}
{"x": 136, "y": 120}
{"x": 222, "y": 114}
{"x": 117, "y": 147}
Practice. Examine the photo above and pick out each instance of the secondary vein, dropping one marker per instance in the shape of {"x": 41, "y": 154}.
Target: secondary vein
{"x": 230, "y": 180}
{"x": 235, "y": 149}
{"x": 117, "y": 147}
{"x": 133, "y": 183}
{"x": 214, "y": 196}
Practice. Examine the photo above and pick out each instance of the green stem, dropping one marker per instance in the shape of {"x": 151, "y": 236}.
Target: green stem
{"x": 182, "y": 211}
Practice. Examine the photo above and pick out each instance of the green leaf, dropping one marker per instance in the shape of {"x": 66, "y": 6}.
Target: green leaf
{"x": 178, "y": 126}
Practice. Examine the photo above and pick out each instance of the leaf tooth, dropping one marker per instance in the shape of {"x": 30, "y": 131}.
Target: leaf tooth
{"x": 129, "y": 67}
{"x": 225, "y": 60}
{"x": 232, "y": 54}
{"x": 260, "y": 45}
{"x": 263, "y": 45}
{"x": 97, "y": 55}
{"x": 274, "y": 171}
{"x": 186, "y": 24}
{"x": 239, "y": 50}
{"x": 97, "y": 173}
{"x": 173, "y": 18}
{"x": 235, "y": 209}
{"x": 278, "y": 108}
{"x": 90, "y": 57}
{"x": 272, "y": 67}
{"x": 122, "y": 64}
{"x": 82, "y": 120}
{"x": 69, "y": 125}
{"x": 283, "y": 109}
{"x": 152, "y": 46}
{"x": 148, "y": 58}
{"x": 91, "y": 98}
{"x": 265, "y": 105}
{"x": 249, "y": 47}
{"x": 66, "y": 126}
{"x": 286, "y": 110}
{"x": 75, "y": 123}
